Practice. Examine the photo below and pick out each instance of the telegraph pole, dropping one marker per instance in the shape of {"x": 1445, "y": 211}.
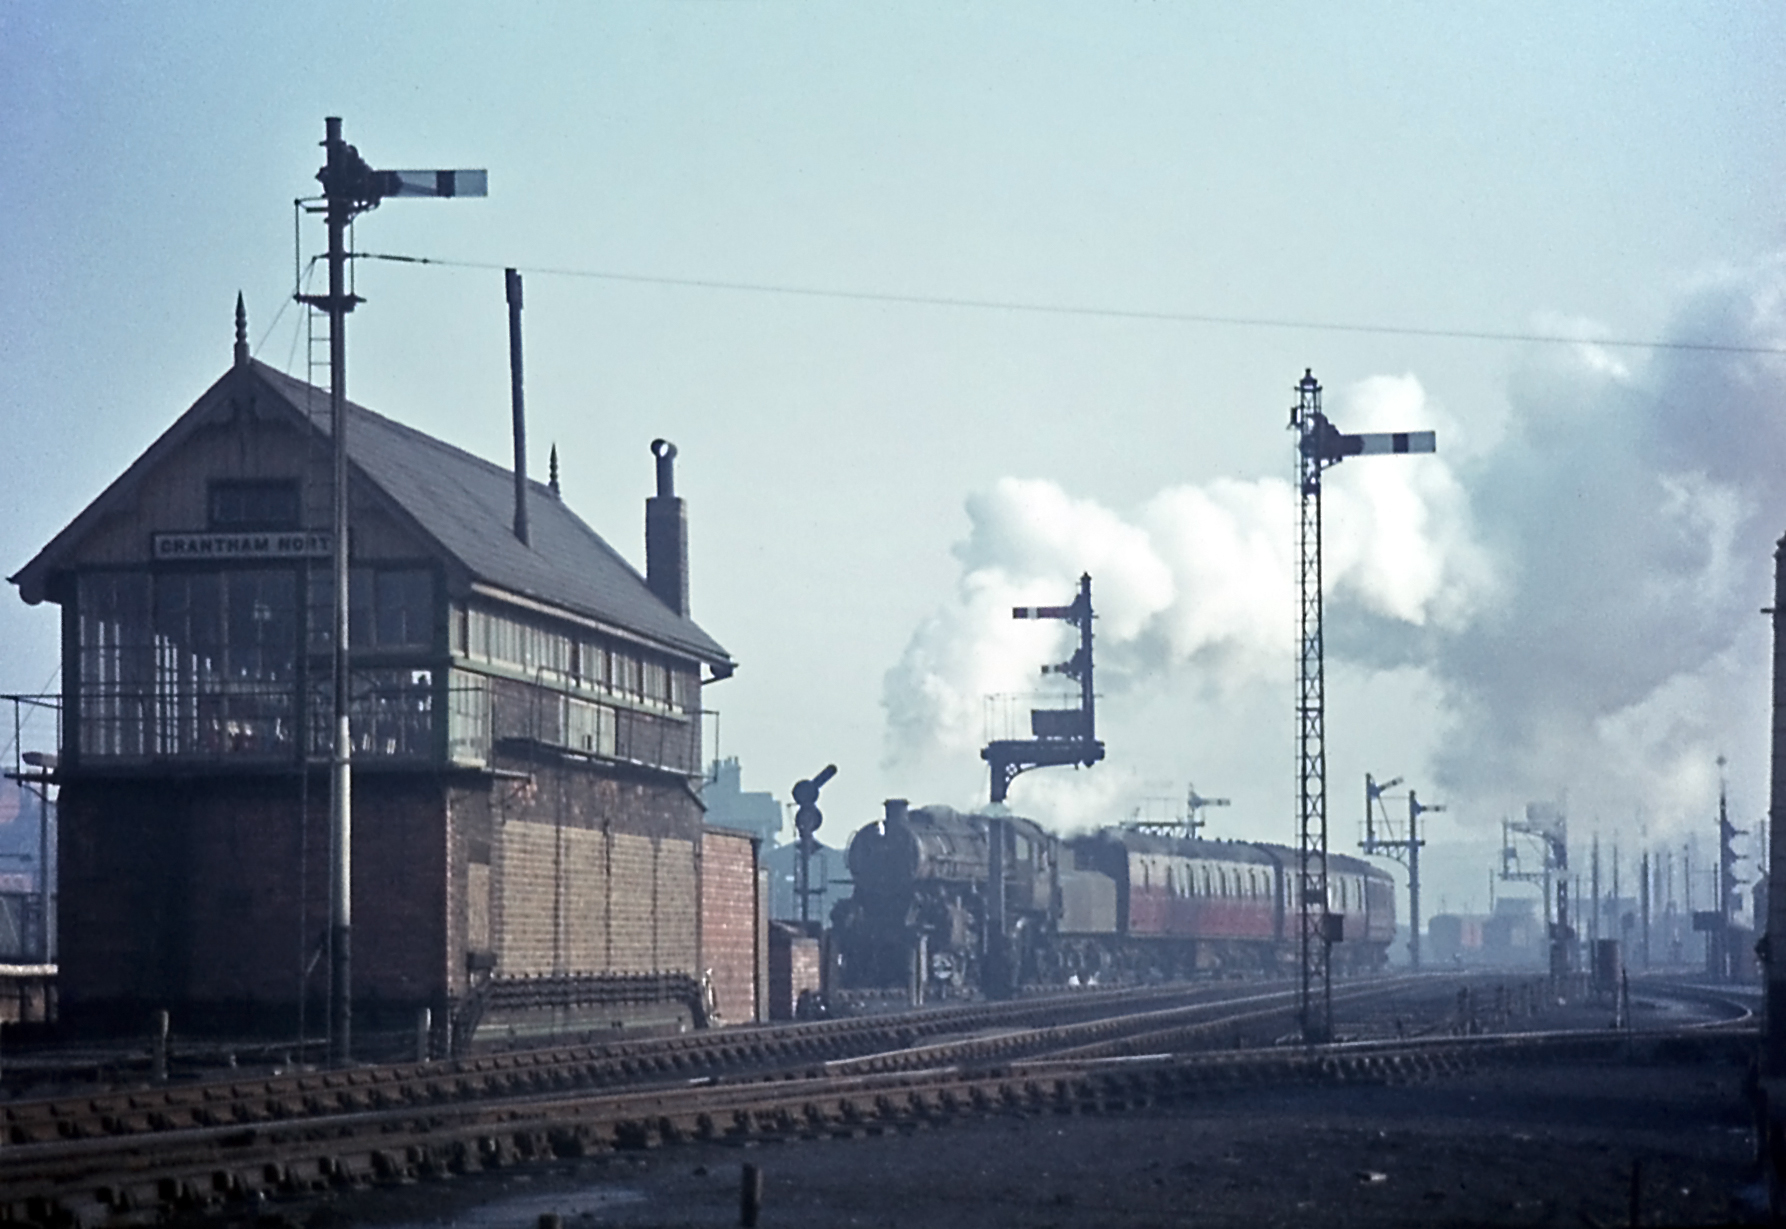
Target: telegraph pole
{"x": 1319, "y": 445}
{"x": 350, "y": 188}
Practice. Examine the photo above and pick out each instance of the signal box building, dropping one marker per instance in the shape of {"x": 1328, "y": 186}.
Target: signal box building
{"x": 528, "y": 846}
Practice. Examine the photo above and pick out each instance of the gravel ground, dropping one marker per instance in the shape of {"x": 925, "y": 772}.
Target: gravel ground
{"x": 1537, "y": 1146}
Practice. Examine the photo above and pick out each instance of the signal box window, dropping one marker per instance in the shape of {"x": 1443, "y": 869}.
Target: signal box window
{"x": 253, "y": 505}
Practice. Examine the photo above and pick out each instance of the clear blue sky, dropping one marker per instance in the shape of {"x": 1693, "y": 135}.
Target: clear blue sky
{"x": 1606, "y": 170}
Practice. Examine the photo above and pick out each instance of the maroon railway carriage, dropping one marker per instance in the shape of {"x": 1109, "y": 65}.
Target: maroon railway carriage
{"x": 1365, "y": 896}
{"x": 1177, "y": 906}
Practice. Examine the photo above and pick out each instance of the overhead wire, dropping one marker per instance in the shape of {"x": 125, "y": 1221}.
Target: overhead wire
{"x": 267, "y": 333}
{"x": 1112, "y": 313}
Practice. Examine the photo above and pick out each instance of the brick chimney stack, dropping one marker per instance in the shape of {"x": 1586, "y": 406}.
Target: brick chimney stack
{"x": 666, "y": 534}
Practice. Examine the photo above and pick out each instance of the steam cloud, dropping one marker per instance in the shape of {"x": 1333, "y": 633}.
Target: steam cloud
{"x": 1575, "y": 592}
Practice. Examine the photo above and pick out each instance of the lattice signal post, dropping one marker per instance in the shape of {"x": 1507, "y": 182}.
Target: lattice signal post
{"x": 1319, "y": 445}
{"x": 1061, "y": 735}
{"x": 1382, "y": 840}
{"x": 350, "y": 187}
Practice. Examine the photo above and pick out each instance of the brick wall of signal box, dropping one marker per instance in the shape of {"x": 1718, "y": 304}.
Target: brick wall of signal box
{"x": 729, "y": 922}
{"x": 591, "y": 873}
{"x": 185, "y": 896}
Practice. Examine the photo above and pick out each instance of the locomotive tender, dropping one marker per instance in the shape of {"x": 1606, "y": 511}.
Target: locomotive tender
{"x": 1116, "y": 906}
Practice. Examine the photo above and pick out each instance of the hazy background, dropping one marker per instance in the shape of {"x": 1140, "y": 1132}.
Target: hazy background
{"x": 1562, "y": 603}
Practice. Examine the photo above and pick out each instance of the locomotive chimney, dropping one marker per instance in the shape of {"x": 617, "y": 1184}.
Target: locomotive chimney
{"x": 897, "y": 809}
{"x": 666, "y": 534}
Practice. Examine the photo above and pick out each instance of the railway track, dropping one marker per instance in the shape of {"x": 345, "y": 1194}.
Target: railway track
{"x": 148, "y": 1110}
{"x": 1076, "y": 1067}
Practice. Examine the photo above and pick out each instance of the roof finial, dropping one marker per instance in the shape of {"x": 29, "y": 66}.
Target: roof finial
{"x": 241, "y": 331}
{"x": 552, "y": 472}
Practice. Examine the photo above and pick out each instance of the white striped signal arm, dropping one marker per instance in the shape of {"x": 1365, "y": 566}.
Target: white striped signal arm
{"x": 1041, "y": 612}
{"x": 434, "y": 183}
{"x": 1378, "y": 442}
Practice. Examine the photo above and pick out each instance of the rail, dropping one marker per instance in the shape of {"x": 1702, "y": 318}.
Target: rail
{"x": 95, "y": 1182}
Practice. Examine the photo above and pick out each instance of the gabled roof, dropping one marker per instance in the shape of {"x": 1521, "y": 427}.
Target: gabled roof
{"x": 464, "y": 503}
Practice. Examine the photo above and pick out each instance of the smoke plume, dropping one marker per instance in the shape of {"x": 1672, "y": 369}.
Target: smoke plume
{"x": 1574, "y": 591}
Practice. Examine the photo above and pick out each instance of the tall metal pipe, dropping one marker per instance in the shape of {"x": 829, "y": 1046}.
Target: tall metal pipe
{"x": 518, "y": 400}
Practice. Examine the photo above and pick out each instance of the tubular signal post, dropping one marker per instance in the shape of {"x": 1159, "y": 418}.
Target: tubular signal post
{"x": 1548, "y": 827}
{"x": 1194, "y": 803}
{"x": 1319, "y": 445}
{"x": 1774, "y": 966}
{"x": 1726, "y": 964}
{"x": 1415, "y": 810}
{"x": 350, "y": 188}
{"x": 1062, "y": 736}
{"x": 807, "y": 818}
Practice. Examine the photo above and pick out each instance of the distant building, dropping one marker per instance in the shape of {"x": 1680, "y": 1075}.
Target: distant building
{"x": 26, "y": 816}
{"x": 1514, "y": 933}
{"x": 1453, "y": 938}
{"x": 528, "y": 851}
{"x": 729, "y": 806}
{"x": 758, "y": 812}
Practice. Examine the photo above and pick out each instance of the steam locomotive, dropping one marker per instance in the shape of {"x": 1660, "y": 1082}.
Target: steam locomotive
{"x": 947, "y": 904}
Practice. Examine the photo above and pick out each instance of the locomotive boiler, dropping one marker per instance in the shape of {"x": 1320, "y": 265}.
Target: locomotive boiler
{"x": 918, "y": 916}
{"x": 947, "y": 903}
